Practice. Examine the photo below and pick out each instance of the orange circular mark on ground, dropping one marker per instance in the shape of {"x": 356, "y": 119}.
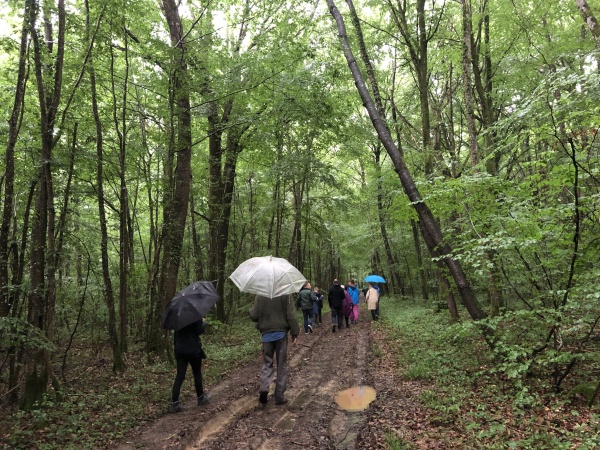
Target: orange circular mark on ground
{"x": 356, "y": 398}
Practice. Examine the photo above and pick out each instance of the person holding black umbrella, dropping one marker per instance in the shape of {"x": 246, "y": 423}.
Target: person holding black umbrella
{"x": 185, "y": 315}
{"x": 189, "y": 351}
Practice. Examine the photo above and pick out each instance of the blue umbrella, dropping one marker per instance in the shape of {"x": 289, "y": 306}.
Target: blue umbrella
{"x": 374, "y": 279}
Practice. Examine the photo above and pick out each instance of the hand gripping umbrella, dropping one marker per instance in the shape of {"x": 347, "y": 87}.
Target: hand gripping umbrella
{"x": 267, "y": 276}
{"x": 374, "y": 279}
{"x": 189, "y": 305}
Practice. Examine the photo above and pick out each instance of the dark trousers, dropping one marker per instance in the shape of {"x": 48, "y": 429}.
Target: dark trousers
{"x": 337, "y": 318}
{"x": 195, "y": 362}
{"x": 319, "y": 316}
{"x": 373, "y": 314}
{"x": 275, "y": 351}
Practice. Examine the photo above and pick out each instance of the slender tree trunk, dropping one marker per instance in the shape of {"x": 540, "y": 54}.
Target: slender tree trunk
{"x": 120, "y": 123}
{"x": 42, "y": 257}
{"x": 588, "y": 17}
{"x": 176, "y": 199}
{"x": 421, "y": 266}
{"x": 467, "y": 64}
{"x": 9, "y": 160}
{"x": 391, "y": 261}
{"x": 118, "y": 362}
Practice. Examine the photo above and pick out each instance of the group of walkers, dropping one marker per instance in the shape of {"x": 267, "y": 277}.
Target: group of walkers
{"x": 275, "y": 317}
{"x": 343, "y": 302}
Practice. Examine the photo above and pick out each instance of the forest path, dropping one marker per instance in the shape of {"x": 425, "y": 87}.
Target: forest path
{"x": 320, "y": 365}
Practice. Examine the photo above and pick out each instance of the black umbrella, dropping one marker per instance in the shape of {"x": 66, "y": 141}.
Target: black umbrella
{"x": 189, "y": 305}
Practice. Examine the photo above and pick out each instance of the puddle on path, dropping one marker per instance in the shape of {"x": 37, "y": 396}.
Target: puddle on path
{"x": 356, "y": 398}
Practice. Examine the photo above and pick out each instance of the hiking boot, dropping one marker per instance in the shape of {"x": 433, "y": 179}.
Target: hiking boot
{"x": 333, "y": 328}
{"x": 204, "y": 399}
{"x": 281, "y": 402}
{"x": 262, "y": 398}
{"x": 175, "y": 407}
{"x": 310, "y": 328}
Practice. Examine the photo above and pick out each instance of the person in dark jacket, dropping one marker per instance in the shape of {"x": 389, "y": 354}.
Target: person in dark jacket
{"x": 274, "y": 317}
{"x": 318, "y": 306}
{"x": 307, "y": 297}
{"x": 335, "y": 298}
{"x": 188, "y": 351}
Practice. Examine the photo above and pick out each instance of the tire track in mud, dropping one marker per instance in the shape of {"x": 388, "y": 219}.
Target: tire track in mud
{"x": 320, "y": 365}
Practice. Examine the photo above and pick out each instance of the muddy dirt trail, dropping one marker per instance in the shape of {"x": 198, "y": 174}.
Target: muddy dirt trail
{"x": 320, "y": 364}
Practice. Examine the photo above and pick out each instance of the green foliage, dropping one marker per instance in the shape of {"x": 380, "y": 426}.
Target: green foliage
{"x": 491, "y": 396}
{"x": 16, "y": 333}
{"x": 94, "y": 414}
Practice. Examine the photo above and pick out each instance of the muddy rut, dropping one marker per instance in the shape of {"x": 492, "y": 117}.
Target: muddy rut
{"x": 319, "y": 366}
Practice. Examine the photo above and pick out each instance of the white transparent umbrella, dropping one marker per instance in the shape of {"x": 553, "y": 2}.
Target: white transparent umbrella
{"x": 267, "y": 276}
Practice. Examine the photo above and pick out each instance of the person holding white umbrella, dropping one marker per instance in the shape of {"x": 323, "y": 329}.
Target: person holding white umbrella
{"x": 272, "y": 280}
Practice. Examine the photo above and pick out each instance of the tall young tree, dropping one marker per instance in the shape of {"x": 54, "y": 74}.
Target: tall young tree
{"x": 425, "y": 215}
{"x": 176, "y": 198}
{"x": 42, "y": 258}
{"x": 9, "y": 169}
{"x": 118, "y": 362}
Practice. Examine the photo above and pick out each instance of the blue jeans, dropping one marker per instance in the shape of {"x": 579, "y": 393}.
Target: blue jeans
{"x": 307, "y": 314}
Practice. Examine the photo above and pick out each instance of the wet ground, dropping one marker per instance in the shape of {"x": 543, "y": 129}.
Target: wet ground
{"x": 321, "y": 366}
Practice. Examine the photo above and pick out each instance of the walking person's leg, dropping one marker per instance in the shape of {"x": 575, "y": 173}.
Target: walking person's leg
{"x": 196, "y": 365}
{"x": 334, "y": 319}
{"x": 377, "y": 310}
{"x": 305, "y": 315}
{"x": 266, "y": 375}
{"x": 281, "y": 382}
{"x": 340, "y": 319}
{"x": 182, "y": 363}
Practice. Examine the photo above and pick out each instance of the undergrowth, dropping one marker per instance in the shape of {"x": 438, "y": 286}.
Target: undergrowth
{"x": 463, "y": 390}
{"x": 99, "y": 406}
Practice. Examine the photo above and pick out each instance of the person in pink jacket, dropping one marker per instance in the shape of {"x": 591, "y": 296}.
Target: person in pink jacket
{"x": 347, "y": 306}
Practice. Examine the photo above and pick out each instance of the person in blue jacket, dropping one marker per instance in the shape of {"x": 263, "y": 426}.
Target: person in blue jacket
{"x": 354, "y": 295}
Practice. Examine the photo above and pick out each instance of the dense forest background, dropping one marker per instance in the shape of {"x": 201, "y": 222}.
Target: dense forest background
{"x": 449, "y": 146}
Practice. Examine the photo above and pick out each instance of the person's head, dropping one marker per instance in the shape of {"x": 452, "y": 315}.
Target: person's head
{"x": 351, "y": 282}
{"x": 316, "y": 289}
{"x": 371, "y": 285}
{"x": 336, "y": 281}
{"x": 306, "y": 285}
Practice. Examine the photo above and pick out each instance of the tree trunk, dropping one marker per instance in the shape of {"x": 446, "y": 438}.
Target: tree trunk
{"x": 125, "y": 248}
{"x": 9, "y": 158}
{"x": 408, "y": 184}
{"x": 391, "y": 261}
{"x": 118, "y": 362}
{"x": 467, "y": 64}
{"x": 421, "y": 266}
{"x": 588, "y": 17}
{"x": 42, "y": 257}
{"x": 176, "y": 198}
